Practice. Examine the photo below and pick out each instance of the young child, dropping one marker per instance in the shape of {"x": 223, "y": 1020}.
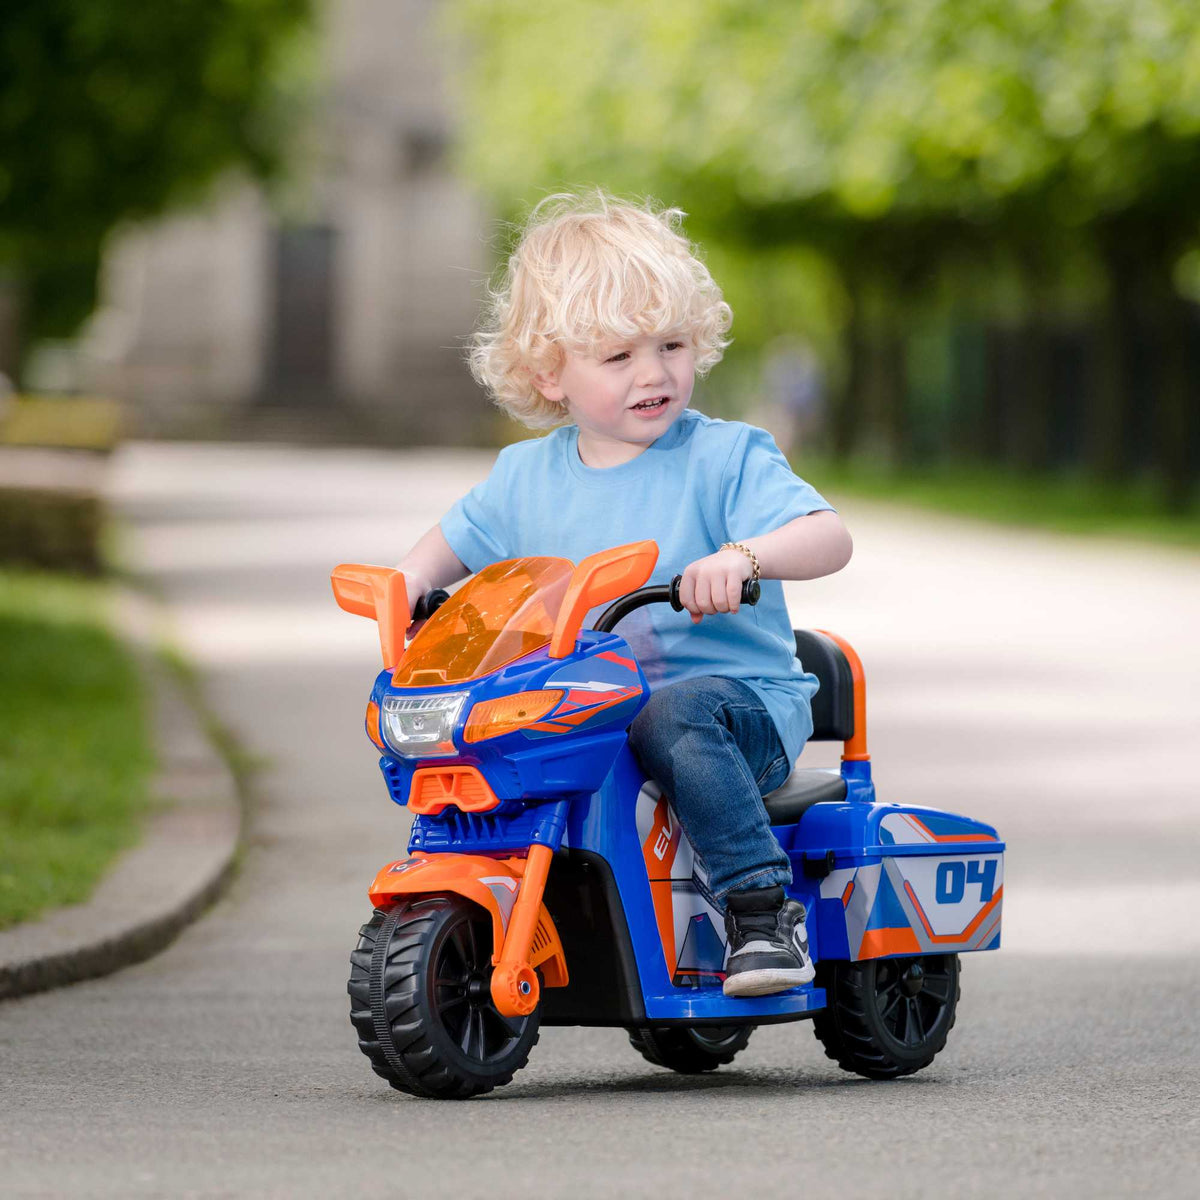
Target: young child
{"x": 604, "y": 320}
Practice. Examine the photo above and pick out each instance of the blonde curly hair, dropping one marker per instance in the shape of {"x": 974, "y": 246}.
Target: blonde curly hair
{"x": 590, "y": 269}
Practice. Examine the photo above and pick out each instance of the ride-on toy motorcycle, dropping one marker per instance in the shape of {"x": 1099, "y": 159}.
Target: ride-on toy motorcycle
{"x": 549, "y": 883}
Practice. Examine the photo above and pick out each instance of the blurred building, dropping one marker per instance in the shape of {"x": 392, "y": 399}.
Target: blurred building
{"x": 347, "y": 316}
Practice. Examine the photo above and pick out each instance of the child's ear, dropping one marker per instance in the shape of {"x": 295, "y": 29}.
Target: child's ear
{"x": 546, "y": 382}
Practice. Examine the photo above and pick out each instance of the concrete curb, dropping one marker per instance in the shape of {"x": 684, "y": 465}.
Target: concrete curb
{"x": 184, "y": 860}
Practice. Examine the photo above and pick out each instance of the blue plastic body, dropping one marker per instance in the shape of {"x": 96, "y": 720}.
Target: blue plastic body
{"x": 881, "y": 880}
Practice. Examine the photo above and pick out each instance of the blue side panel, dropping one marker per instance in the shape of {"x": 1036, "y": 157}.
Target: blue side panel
{"x": 555, "y": 768}
{"x": 605, "y": 823}
{"x": 830, "y": 927}
{"x": 887, "y": 912}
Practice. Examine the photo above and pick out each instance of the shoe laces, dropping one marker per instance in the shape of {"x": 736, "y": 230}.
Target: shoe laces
{"x": 764, "y": 923}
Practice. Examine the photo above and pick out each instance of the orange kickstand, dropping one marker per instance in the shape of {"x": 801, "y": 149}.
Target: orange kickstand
{"x": 515, "y": 987}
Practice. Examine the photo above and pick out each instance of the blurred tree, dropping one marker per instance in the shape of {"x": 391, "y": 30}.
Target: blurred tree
{"x": 112, "y": 110}
{"x": 1042, "y": 149}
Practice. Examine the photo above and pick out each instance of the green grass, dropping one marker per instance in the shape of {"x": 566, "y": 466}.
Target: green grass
{"x": 1065, "y": 504}
{"x": 75, "y": 750}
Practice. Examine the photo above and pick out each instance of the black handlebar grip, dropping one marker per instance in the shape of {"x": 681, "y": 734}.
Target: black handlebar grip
{"x": 751, "y": 591}
{"x": 429, "y": 603}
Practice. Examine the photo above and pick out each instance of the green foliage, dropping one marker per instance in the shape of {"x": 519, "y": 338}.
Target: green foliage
{"x": 112, "y": 110}
{"x": 945, "y": 124}
{"x": 75, "y": 757}
{"x": 858, "y": 107}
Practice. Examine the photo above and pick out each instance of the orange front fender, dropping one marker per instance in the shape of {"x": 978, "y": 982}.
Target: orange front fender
{"x": 492, "y": 883}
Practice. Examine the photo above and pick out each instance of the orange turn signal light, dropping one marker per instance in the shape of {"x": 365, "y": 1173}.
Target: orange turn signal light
{"x": 494, "y": 717}
{"x": 373, "y": 724}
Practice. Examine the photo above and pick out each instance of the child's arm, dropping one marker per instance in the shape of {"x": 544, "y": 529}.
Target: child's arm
{"x": 807, "y": 548}
{"x": 430, "y": 564}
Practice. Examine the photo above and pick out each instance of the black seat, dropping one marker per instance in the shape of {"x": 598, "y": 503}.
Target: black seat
{"x": 803, "y": 788}
{"x": 833, "y": 721}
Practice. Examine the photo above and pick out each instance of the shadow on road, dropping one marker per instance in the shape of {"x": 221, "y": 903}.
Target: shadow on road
{"x": 766, "y": 1085}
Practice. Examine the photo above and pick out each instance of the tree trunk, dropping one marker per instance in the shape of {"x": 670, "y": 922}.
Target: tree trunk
{"x": 850, "y": 403}
{"x": 991, "y": 430}
{"x": 1029, "y": 449}
{"x": 1176, "y": 398}
{"x": 890, "y": 355}
{"x": 1109, "y": 414}
{"x": 968, "y": 383}
{"x": 10, "y": 330}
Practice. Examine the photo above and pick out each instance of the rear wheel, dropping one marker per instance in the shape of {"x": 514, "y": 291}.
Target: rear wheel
{"x": 888, "y": 1016}
{"x": 691, "y": 1049}
{"x": 420, "y": 1000}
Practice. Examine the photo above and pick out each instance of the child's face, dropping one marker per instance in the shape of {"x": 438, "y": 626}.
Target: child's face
{"x": 606, "y": 393}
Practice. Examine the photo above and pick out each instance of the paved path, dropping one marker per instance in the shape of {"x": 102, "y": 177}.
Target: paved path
{"x": 1043, "y": 683}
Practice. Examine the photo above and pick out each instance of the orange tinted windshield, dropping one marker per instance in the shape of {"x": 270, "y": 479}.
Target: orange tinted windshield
{"x": 506, "y": 611}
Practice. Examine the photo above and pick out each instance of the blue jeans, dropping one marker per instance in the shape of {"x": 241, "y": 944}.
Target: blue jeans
{"x": 712, "y": 747}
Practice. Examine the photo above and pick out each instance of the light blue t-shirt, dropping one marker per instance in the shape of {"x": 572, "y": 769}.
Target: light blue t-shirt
{"x": 704, "y": 482}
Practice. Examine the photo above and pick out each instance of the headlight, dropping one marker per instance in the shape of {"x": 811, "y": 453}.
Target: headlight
{"x": 422, "y": 726}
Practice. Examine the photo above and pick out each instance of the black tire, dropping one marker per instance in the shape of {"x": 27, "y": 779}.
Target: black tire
{"x": 888, "y": 1017}
{"x": 691, "y": 1049}
{"x": 421, "y": 1005}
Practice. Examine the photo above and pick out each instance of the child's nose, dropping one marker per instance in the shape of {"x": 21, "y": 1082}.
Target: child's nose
{"x": 651, "y": 370}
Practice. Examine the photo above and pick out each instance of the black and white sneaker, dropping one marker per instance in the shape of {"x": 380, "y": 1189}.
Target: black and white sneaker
{"x": 768, "y": 943}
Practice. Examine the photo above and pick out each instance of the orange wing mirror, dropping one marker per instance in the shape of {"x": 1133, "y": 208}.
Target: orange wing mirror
{"x": 599, "y": 578}
{"x": 378, "y": 592}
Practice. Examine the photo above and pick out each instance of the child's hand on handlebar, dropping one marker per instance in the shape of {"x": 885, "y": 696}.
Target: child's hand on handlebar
{"x": 714, "y": 584}
{"x": 416, "y": 587}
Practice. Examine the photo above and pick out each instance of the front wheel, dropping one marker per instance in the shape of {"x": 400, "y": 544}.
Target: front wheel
{"x": 420, "y": 1000}
{"x": 691, "y": 1049}
{"x": 888, "y": 1016}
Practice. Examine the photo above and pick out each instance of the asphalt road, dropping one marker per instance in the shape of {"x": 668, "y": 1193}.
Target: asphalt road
{"x": 1042, "y": 683}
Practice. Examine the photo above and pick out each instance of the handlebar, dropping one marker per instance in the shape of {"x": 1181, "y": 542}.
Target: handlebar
{"x": 669, "y": 594}
{"x": 431, "y": 601}
{"x": 428, "y": 604}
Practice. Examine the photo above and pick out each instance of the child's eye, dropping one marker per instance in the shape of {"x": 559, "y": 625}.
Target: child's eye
{"x": 620, "y": 356}
{"x": 673, "y": 346}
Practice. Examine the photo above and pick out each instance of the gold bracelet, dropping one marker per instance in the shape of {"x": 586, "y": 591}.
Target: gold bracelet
{"x": 748, "y": 553}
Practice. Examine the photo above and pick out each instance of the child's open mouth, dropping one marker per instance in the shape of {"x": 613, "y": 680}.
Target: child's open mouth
{"x": 650, "y": 405}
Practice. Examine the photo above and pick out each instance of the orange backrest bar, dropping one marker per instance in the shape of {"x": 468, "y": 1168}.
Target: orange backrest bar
{"x": 855, "y": 749}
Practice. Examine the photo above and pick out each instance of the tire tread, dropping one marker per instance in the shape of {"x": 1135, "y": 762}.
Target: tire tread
{"x": 677, "y": 1050}
{"x": 844, "y": 1028}
{"x": 387, "y": 1008}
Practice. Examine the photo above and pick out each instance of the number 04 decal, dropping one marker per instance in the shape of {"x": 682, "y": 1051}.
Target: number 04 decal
{"x": 955, "y": 876}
